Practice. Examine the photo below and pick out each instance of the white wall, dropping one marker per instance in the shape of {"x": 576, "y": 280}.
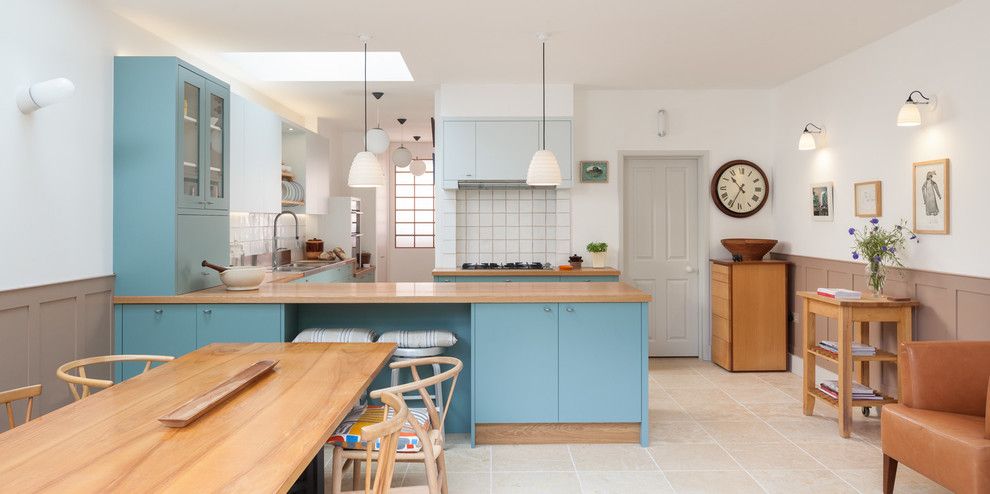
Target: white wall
{"x": 727, "y": 125}
{"x": 857, "y": 98}
{"x": 56, "y": 184}
{"x": 405, "y": 265}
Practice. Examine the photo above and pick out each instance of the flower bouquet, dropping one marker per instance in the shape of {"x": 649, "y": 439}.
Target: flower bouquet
{"x": 880, "y": 247}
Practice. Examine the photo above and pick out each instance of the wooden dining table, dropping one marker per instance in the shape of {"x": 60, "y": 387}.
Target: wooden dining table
{"x": 264, "y": 439}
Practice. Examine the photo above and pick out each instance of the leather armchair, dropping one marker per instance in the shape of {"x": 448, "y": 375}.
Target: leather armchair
{"x": 939, "y": 427}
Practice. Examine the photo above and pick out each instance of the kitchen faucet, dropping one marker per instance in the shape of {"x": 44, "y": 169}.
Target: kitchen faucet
{"x": 275, "y": 236}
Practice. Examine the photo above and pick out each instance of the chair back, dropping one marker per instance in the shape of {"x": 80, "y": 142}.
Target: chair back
{"x": 8, "y": 398}
{"x": 80, "y": 384}
{"x": 945, "y": 376}
{"x": 437, "y": 417}
{"x": 387, "y": 434}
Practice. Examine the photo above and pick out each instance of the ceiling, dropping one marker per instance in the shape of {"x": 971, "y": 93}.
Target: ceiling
{"x": 625, "y": 44}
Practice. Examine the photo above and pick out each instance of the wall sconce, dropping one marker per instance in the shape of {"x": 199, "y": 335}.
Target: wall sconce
{"x": 807, "y": 141}
{"x": 42, "y": 94}
{"x": 910, "y": 115}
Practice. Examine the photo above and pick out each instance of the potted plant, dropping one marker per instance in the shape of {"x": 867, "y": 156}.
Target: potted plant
{"x": 880, "y": 247}
{"x": 598, "y": 252}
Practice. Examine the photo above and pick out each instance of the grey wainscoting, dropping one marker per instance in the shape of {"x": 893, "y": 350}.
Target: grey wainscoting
{"x": 953, "y": 307}
{"x": 43, "y": 327}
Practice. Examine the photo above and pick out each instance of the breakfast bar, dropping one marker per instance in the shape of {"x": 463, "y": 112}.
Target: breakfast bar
{"x": 544, "y": 362}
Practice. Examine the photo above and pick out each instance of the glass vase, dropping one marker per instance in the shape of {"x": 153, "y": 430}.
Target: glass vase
{"x": 876, "y": 275}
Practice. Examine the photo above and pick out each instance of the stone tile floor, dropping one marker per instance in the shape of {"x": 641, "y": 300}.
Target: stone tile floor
{"x": 711, "y": 431}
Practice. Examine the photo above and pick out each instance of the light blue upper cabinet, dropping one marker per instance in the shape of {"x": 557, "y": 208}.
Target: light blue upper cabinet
{"x": 170, "y": 158}
{"x": 560, "y": 140}
{"x": 504, "y": 149}
{"x": 458, "y": 152}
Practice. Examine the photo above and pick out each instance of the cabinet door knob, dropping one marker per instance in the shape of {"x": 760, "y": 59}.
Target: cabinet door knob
{"x": 546, "y": 309}
{"x": 508, "y": 281}
{"x": 570, "y": 309}
{"x": 688, "y": 269}
{"x": 207, "y": 311}
{"x": 159, "y": 312}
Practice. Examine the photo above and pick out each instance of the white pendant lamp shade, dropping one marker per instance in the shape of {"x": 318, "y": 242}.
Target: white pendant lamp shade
{"x": 417, "y": 168}
{"x": 365, "y": 171}
{"x": 543, "y": 169}
{"x": 909, "y": 116}
{"x": 807, "y": 141}
{"x": 377, "y": 140}
{"x": 401, "y": 157}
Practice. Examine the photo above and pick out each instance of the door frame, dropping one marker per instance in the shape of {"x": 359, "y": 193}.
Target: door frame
{"x": 703, "y": 247}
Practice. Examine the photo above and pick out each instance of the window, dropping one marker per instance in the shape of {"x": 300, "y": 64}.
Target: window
{"x": 414, "y": 210}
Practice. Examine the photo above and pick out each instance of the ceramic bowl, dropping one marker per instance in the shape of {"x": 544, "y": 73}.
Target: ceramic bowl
{"x": 243, "y": 277}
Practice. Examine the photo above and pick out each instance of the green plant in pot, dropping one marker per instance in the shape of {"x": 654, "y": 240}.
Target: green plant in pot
{"x": 598, "y": 252}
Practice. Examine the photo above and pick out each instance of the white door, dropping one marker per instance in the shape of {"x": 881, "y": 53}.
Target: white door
{"x": 660, "y": 254}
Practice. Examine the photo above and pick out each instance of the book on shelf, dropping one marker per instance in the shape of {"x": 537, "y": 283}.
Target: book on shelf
{"x": 859, "y": 392}
{"x": 858, "y": 349}
{"x": 840, "y": 293}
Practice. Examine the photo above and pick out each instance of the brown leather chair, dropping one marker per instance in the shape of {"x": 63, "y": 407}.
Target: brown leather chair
{"x": 940, "y": 426}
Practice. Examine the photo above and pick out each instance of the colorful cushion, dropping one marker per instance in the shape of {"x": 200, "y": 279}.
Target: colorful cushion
{"x": 420, "y": 339}
{"x": 348, "y": 435}
{"x": 335, "y": 335}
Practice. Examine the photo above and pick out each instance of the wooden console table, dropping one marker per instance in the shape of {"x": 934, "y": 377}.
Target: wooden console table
{"x": 849, "y": 313}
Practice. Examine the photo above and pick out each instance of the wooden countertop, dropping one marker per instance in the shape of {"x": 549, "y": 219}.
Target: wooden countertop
{"x": 258, "y": 441}
{"x": 606, "y": 271}
{"x": 865, "y": 302}
{"x": 405, "y": 293}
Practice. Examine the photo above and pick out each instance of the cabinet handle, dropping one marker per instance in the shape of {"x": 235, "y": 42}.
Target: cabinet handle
{"x": 508, "y": 281}
{"x": 570, "y": 309}
{"x": 159, "y": 312}
{"x": 546, "y": 309}
{"x": 207, "y": 311}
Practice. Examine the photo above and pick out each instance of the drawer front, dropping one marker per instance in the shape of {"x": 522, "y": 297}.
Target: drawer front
{"x": 720, "y": 328}
{"x": 722, "y": 353}
{"x": 720, "y": 289}
{"x": 443, "y": 279}
{"x": 720, "y": 307}
{"x": 720, "y": 273}
{"x": 239, "y": 323}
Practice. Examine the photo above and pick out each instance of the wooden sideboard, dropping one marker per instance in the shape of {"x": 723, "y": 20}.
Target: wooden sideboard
{"x": 749, "y": 315}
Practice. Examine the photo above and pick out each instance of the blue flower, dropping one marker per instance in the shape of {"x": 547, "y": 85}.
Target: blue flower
{"x": 852, "y": 231}
{"x": 855, "y": 255}
{"x": 883, "y": 248}
{"x": 876, "y": 258}
{"x": 874, "y": 221}
{"x": 913, "y": 236}
{"x": 893, "y": 250}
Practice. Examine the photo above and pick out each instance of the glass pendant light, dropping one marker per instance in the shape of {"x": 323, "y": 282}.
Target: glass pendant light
{"x": 365, "y": 170}
{"x": 377, "y": 138}
{"x": 401, "y": 157}
{"x": 544, "y": 171}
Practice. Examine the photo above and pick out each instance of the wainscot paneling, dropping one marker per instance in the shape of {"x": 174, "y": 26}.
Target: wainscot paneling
{"x": 43, "y": 327}
{"x": 953, "y": 307}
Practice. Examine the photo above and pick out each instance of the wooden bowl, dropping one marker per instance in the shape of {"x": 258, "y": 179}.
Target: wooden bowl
{"x": 750, "y": 249}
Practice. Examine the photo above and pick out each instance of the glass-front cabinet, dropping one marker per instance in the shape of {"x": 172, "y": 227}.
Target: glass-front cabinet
{"x": 203, "y": 143}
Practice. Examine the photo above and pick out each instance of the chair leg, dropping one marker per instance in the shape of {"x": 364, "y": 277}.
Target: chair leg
{"x": 442, "y": 472}
{"x": 438, "y": 391}
{"x": 356, "y": 476}
{"x": 889, "y": 473}
{"x": 337, "y": 473}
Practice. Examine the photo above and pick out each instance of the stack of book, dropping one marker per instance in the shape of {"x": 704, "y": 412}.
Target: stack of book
{"x": 860, "y": 392}
{"x": 858, "y": 349}
{"x": 840, "y": 293}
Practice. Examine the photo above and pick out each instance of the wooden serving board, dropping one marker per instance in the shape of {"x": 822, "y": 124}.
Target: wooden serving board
{"x": 196, "y": 407}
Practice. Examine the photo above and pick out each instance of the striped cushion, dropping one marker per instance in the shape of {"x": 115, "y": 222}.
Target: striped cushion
{"x": 420, "y": 339}
{"x": 335, "y": 335}
{"x": 348, "y": 434}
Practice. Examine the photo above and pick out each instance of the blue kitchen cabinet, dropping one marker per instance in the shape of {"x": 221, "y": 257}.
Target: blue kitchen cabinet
{"x": 170, "y": 162}
{"x": 589, "y": 279}
{"x": 338, "y": 274}
{"x": 505, "y": 148}
{"x": 239, "y": 323}
{"x": 600, "y": 372}
{"x": 155, "y": 330}
{"x": 560, "y": 142}
{"x": 514, "y": 355}
{"x": 458, "y": 155}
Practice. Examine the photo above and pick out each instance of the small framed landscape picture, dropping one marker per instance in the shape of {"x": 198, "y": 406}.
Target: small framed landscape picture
{"x": 931, "y": 197}
{"x": 822, "y": 202}
{"x": 869, "y": 199}
{"x": 594, "y": 171}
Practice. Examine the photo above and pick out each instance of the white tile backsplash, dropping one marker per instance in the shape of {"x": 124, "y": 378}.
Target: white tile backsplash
{"x": 510, "y": 225}
{"x": 251, "y": 235}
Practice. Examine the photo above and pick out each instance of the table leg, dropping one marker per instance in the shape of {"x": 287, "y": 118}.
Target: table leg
{"x": 311, "y": 481}
{"x": 810, "y": 335}
{"x": 845, "y": 372}
{"x": 861, "y": 369}
{"x": 905, "y": 333}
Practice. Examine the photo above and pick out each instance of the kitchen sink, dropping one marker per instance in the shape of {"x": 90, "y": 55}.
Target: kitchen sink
{"x": 301, "y": 266}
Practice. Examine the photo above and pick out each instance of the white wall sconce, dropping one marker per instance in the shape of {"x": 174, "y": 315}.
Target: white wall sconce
{"x": 910, "y": 114}
{"x": 807, "y": 141}
{"x": 42, "y": 94}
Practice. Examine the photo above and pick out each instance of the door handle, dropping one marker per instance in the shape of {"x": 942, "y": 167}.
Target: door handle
{"x": 689, "y": 269}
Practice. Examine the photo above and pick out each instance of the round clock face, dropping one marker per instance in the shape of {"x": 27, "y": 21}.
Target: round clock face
{"x": 740, "y": 188}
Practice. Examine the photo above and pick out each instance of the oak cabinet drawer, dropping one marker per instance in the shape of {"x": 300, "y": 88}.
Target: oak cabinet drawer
{"x": 721, "y": 353}
{"x": 720, "y": 328}
{"x": 720, "y": 273}
{"x": 720, "y": 307}
{"x": 721, "y": 290}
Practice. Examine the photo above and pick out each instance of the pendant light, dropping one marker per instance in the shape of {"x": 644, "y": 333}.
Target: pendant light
{"x": 543, "y": 168}
{"x": 417, "y": 168}
{"x": 401, "y": 157}
{"x": 377, "y": 138}
{"x": 365, "y": 170}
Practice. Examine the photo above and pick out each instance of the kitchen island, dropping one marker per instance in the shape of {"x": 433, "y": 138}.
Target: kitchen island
{"x": 547, "y": 362}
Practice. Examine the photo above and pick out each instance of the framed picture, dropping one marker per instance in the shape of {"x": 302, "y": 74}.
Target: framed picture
{"x": 868, "y": 198}
{"x": 594, "y": 171}
{"x": 931, "y": 197}
{"x": 822, "y": 202}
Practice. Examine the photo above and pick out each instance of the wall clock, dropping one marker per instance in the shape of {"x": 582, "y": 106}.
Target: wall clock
{"x": 740, "y": 188}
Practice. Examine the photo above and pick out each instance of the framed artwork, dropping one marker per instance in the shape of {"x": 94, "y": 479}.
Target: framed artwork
{"x": 594, "y": 171}
{"x": 868, "y": 199}
{"x": 931, "y": 197}
{"x": 822, "y": 202}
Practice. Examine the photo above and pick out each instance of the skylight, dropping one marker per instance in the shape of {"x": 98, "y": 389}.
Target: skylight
{"x": 322, "y": 66}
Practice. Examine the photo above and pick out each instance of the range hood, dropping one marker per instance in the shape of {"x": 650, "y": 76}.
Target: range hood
{"x": 497, "y": 184}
